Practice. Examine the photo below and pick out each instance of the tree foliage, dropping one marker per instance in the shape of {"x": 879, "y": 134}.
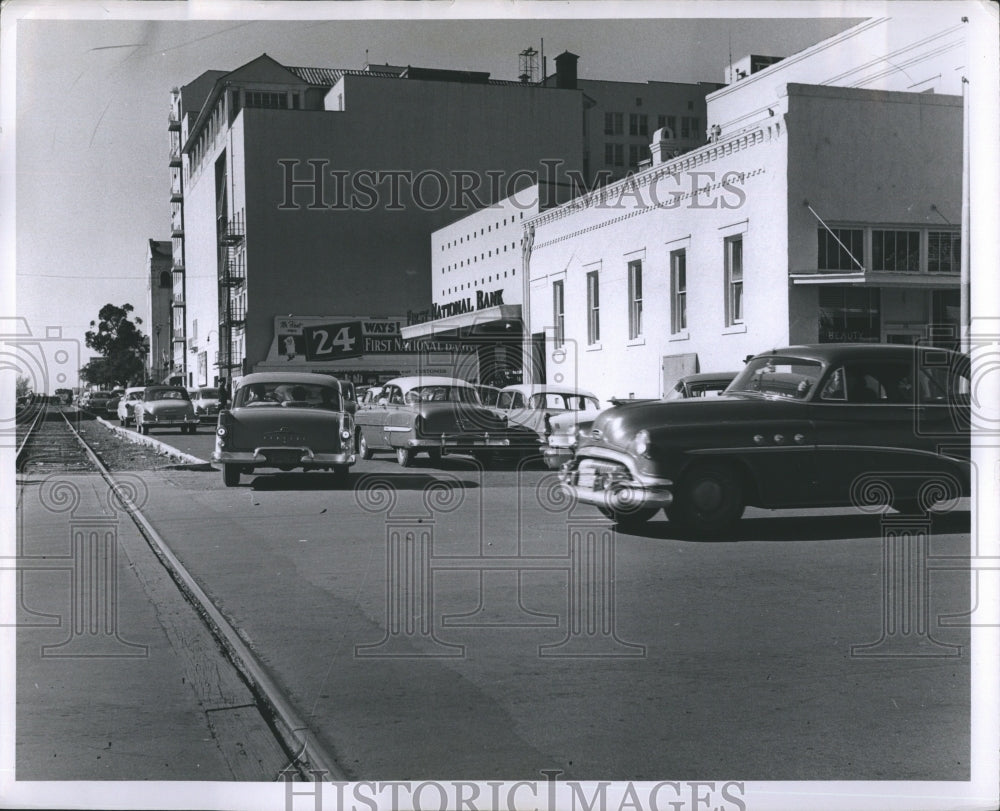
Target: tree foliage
{"x": 122, "y": 346}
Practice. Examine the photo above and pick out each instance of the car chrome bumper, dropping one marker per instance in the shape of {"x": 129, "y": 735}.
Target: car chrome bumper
{"x": 168, "y": 423}
{"x": 458, "y": 443}
{"x": 282, "y": 456}
{"x": 610, "y": 480}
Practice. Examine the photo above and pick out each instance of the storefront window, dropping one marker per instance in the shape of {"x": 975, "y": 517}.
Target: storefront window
{"x": 849, "y": 315}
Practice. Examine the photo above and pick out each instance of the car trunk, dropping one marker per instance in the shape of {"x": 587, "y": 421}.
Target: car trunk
{"x": 284, "y": 427}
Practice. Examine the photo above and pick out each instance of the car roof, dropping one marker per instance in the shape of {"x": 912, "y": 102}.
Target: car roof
{"x": 829, "y": 353}
{"x": 411, "y": 381}
{"x": 702, "y": 377}
{"x": 529, "y": 389}
{"x": 131, "y": 389}
{"x": 285, "y": 377}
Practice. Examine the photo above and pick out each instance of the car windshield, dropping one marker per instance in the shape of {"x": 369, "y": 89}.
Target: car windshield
{"x": 774, "y": 376}
{"x": 442, "y": 393}
{"x": 288, "y": 394}
{"x": 711, "y": 388}
{"x": 165, "y": 394}
{"x": 209, "y": 394}
{"x": 562, "y": 400}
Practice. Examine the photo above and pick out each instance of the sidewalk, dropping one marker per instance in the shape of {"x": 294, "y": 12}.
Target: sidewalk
{"x": 117, "y": 676}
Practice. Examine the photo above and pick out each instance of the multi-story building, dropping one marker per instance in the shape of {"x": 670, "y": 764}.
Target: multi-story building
{"x": 310, "y": 191}
{"x": 182, "y": 108}
{"x": 818, "y": 212}
{"x": 478, "y": 287}
{"x": 620, "y": 117}
{"x": 159, "y": 301}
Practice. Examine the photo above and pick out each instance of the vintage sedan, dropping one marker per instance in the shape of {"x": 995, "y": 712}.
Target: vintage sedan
{"x": 829, "y": 425}
{"x": 535, "y": 405}
{"x": 126, "y": 404}
{"x": 286, "y": 420}
{"x": 205, "y": 400}
{"x": 565, "y": 429}
{"x": 164, "y": 407}
{"x": 432, "y": 415}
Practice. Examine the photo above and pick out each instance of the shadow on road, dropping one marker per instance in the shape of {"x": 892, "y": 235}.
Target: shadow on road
{"x": 806, "y": 528}
{"x": 328, "y": 481}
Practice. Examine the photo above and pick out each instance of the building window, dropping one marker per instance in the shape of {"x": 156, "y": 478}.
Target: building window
{"x": 619, "y": 154}
{"x": 944, "y": 252}
{"x": 896, "y": 251}
{"x": 558, "y": 313}
{"x": 636, "y": 154}
{"x": 734, "y": 281}
{"x": 638, "y": 124}
{"x": 635, "y": 299}
{"x": 838, "y": 245}
{"x": 257, "y": 98}
{"x": 614, "y": 123}
{"x": 165, "y": 280}
{"x": 593, "y": 308}
{"x": 678, "y": 291}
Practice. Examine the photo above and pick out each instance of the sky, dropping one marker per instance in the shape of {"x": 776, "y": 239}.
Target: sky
{"x": 88, "y": 130}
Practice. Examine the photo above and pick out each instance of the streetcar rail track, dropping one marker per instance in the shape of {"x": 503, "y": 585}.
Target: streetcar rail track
{"x": 307, "y": 756}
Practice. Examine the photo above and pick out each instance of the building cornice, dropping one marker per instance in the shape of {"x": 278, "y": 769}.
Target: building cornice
{"x": 632, "y": 186}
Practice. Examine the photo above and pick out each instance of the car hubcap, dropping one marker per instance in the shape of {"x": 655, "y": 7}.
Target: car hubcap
{"x": 708, "y": 496}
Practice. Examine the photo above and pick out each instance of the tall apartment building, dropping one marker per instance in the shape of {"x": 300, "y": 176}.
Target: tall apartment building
{"x": 314, "y": 192}
{"x": 159, "y": 305}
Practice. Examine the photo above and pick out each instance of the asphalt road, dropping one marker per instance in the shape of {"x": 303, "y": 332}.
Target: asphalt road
{"x": 444, "y": 622}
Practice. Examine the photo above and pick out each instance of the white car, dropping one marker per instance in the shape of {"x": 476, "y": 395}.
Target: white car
{"x": 165, "y": 407}
{"x": 206, "y": 403}
{"x": 126, "y": 404}
{"x": 535, "y": 405}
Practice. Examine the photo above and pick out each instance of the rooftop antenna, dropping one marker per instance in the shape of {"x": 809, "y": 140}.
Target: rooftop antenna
{"x": 528, "y": 66}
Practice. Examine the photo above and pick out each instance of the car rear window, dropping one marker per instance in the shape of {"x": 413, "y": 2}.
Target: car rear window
{"x": 278, "y": 393}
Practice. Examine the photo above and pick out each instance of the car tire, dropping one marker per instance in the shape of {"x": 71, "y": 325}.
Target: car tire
{"x": 708, "y": 501}
{"x": 404, "y": 456}
{"x": 633, "y": 519}
{"x": 231, "y": 475}
{"x": 141, "y": 428}
{"x": 341, "y": 475}
{"x": 434, "y": 456}
{"x": 364, "y": 451}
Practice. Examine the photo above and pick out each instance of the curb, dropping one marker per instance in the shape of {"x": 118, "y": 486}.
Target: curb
{"x": 188, "y": 462}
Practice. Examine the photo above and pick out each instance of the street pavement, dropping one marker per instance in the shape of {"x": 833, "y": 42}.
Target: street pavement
{"x": 445, "y": 622}
{"x": 117, "y": 676}
{"x": 385, "y": 611}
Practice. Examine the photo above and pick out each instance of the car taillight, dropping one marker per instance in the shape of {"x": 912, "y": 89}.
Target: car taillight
{"x": 225, "y": 423}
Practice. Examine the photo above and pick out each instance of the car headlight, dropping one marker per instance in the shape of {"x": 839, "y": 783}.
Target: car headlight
{"x": 641, "y": 443}
{"x": 345, "y": 435}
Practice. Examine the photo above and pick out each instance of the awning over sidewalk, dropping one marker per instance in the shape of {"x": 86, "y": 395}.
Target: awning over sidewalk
{"x": 489, "y": 319}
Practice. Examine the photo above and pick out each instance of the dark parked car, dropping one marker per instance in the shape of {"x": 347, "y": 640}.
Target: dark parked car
{"x": 286, "y": 420}
{"x": 804, "y": 426}
{"x": 436, "y": 416}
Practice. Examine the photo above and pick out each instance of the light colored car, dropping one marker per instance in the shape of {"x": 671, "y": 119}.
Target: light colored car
{"x": 433, "y": 415}
{"x": 206, "y": 403}
{"x": 164, "y": 407}
{"x": 534, "y": 405}
{"x": 565, "y": 429}
{"x": 286, "y": 420}
{"x": 126, "y": 404}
